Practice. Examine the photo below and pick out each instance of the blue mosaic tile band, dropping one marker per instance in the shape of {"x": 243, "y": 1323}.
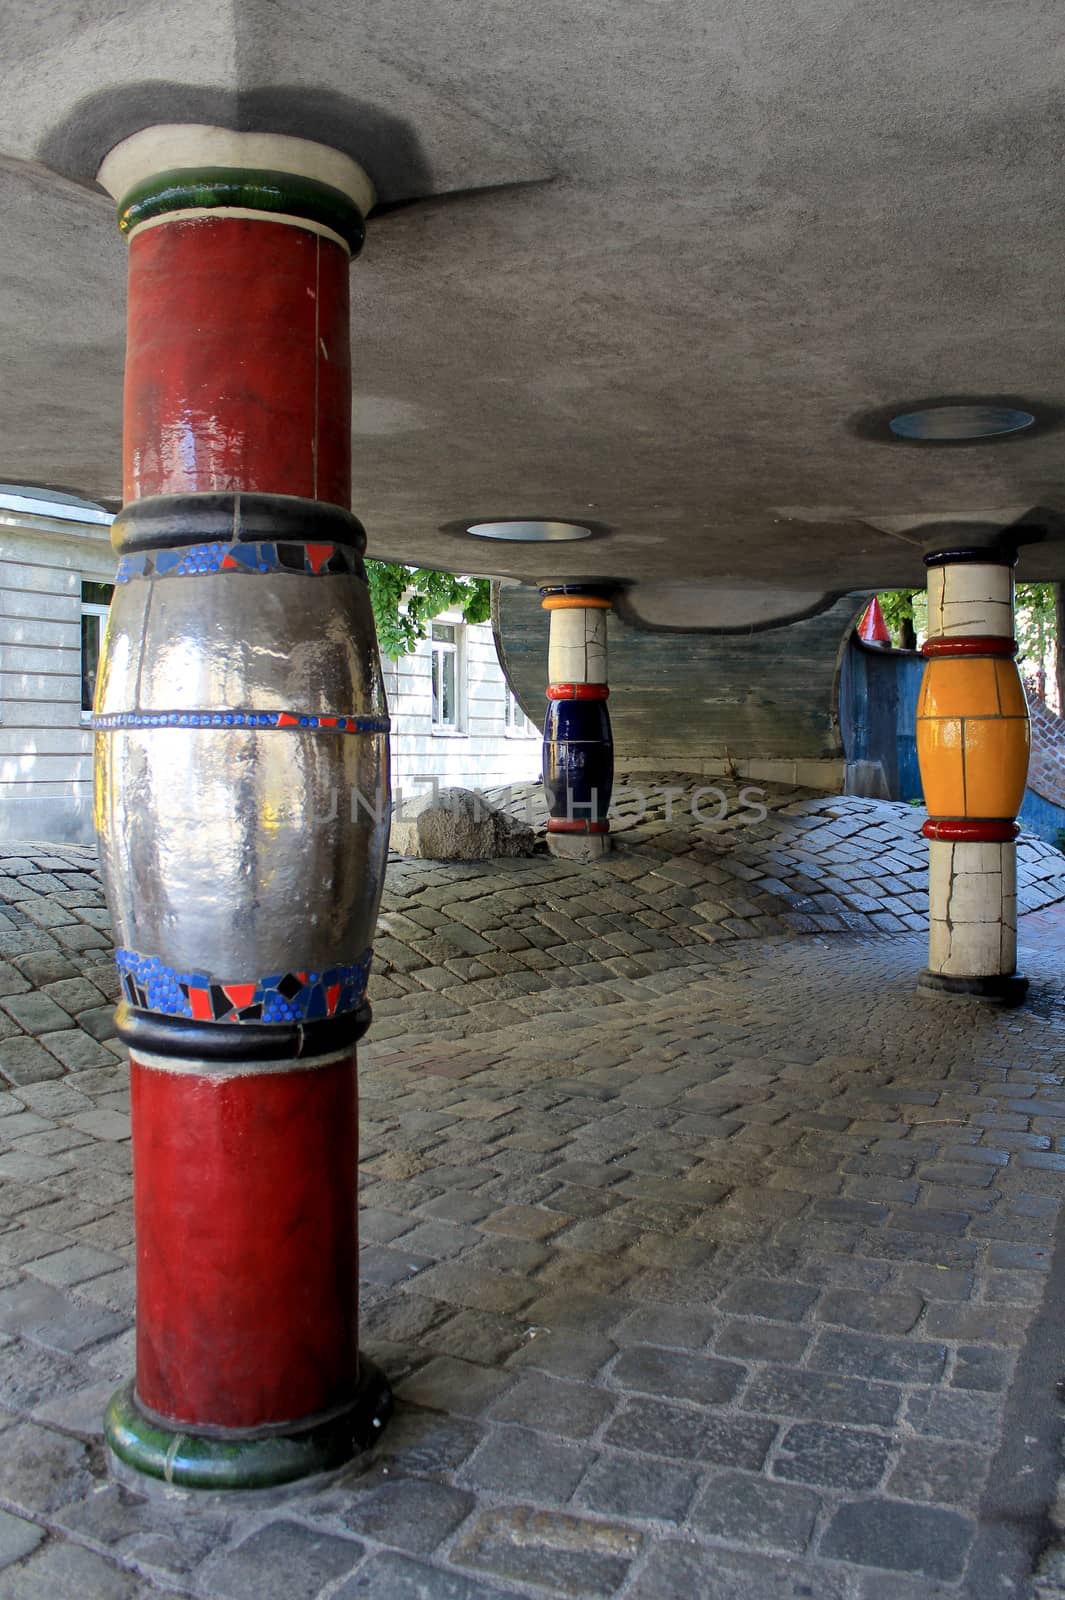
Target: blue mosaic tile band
{"x": 109, "y": 721}
{"x": 188, "y": 561}
{"x": 150, "y": 985}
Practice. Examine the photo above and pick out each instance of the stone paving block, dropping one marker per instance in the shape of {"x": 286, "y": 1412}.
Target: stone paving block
{"x": 450, "y": 1385}
{"x": 74, "y": 1265}
{"x": 655, "y": 1428}
{"x": 23, "y": 1060}
{"x": 478, "y": 1290}
{"x": 987, "y": 1324}
{"x": 395, "y": 1577}
{"x": 938, "y": 1283}
{"x": 523, "y": 1222}
{"x": 438, "y": 1239}
{"x": 410, "y": 1514}
{"x": 777, "y": 1301}
{"x": 677, "y": 1327}
{"x": 70, "y": 1572}
{"x": 761, "y": 1341}
{"x": 743, "y": 1509}
{"x": 897, "y": 1586}
{"x": 881, "y": 1313}
{"x": 80, "y": 1327}
{"x": 389, "y": 1267}
{"x": 681, "y": 1569}
{"x": 116, "y": 1358}
{"x": 12, "y": 981}
{"x": 103, "y": 1124}
{"x": 29, "y": 1302}
{"x": 80, "y": 937}
{"x": 576, "y": 1556}
{"x": 858, "y": 1355}
{"x": 954, "y": 1414}
{"x": 629, "y": 1486}
{"x": 41, "y": 967}
{"x": 573, "y": 1410}
{"x": 99, "y": 1021}
{"x": 781, "y": 1391}
{"x": 381, "y": 1227}
{"x": 499, "y": 1253}
{"x": 419, "y": 1441}
{"x": 833, "y": 1457}
{"x": 981, "y": 1368}
{"x": 41, "y": 1469}
{"x": 576, "y": 1310}
{"x": 460, "y": 1208}
{"x": 565, "y": 1355}
{"x": 885, "y": 1533}
{"x": 1015, "y": 1288}
{"x": 526, "y": 1465}
{"x": 80, "y": 1412}
{"x": 284, "y": 1559}
{"x": 480, "y": 1336}
{"x": 17, "y": 1538}
{"x": 932, "y": 1470}
{"x": 677, "y": 1376}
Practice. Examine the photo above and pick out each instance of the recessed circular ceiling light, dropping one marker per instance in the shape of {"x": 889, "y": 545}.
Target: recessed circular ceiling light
{"x": 952, "y": 424}
{"x": 531, "y": 531}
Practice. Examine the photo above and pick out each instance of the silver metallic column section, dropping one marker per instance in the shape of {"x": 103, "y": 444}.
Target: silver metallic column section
{"x": 242, "y": 780}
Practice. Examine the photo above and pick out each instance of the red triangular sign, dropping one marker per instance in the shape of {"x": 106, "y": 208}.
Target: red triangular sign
{"x": 873, "y": 629}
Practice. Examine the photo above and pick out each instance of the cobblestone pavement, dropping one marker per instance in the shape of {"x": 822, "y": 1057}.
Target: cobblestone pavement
{"x": 706, "y": 1260}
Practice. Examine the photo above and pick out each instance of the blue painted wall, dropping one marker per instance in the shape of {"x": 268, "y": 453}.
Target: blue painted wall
{"x": 878, "y": 713}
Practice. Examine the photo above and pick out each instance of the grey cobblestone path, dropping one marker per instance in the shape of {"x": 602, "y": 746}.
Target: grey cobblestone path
{"x": 705, "y": 1259}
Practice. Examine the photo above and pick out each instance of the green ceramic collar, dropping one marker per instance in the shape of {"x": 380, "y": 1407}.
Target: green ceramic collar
{"x": 277, "y": 193}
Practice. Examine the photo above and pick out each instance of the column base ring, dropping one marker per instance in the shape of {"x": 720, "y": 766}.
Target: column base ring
{"x": 1000, "y": 988}
{"x": 255, "y": 1460}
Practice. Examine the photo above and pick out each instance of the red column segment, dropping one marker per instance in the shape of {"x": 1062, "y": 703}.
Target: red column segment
{"x": 244, "y": 1198}
{"x": 238, "y": 361}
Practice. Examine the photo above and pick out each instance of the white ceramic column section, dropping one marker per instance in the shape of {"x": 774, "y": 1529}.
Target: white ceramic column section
{"x": 577, "y": 647}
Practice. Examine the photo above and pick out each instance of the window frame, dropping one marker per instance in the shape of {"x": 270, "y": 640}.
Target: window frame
{"x": 516, "y": 725}
{"x": 92, "y": 608}
{"x": 456, "y": 649}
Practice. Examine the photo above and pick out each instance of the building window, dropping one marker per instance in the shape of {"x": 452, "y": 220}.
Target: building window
{"x": 95, "y": 600}
{"x": 514, "y": 718}
{"x": 448, "y": 671}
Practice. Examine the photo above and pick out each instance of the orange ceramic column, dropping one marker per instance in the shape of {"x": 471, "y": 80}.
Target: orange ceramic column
{"x": 972, "y": 743}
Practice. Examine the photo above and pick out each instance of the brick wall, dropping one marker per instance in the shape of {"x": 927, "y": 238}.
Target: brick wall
{"x": 1046, "y": 773}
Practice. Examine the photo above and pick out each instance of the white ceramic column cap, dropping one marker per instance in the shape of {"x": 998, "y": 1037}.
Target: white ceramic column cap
{"x": 174, "y": 145}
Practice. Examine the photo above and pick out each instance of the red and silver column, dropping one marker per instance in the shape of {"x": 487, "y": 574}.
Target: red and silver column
{"x": 242, "y": 805}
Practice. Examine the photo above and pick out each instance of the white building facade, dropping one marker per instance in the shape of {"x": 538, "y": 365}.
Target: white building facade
{"x": 56, "y": 575}
{"x": 454, "y": 720}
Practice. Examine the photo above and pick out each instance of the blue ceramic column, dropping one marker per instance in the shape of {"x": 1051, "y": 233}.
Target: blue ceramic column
{"x": 578, "y": 745}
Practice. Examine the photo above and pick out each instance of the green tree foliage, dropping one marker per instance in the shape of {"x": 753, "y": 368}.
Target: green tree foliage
{"x": 406, "y": 599}
{"x": 1037, "y": 607}
{"x": 1036, "y": 629}
{"x": 906, "y": 614}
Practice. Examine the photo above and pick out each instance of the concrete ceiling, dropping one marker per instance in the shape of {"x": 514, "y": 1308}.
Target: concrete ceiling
{"x": 648, "y": 264}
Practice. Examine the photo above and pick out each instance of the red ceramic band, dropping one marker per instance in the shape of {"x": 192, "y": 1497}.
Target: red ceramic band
{"x": 245, "y": 1196}
{"x": 978, "y": 645}
{"x": 238, "y": 362}
{"x": 971, "y": 830}
{"x": 575, "y": 825}
{"x": 578, "y": 691}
